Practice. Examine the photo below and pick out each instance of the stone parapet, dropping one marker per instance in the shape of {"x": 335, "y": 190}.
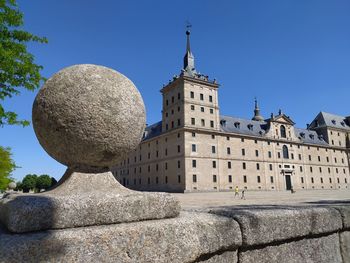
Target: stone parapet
{"x": 313, "y": 233}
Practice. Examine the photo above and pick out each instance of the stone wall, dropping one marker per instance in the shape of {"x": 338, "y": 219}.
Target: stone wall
{"x": 318, "y": 232}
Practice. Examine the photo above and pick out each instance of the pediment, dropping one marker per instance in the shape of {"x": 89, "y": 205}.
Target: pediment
{"x": 283, "y": 119}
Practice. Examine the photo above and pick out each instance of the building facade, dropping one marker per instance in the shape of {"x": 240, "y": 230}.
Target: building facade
{"x": 194, "y": 148}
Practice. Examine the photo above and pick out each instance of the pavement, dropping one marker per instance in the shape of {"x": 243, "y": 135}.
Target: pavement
{"x": 190, "y": 201}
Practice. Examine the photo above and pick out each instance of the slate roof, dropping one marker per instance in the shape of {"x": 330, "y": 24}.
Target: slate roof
{"x": 247, "y": 127}
{"x": 325, "y": 119}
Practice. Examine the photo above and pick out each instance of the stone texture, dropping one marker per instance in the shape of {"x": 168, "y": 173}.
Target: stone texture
{"x": 226, "y": 257}
{"x": 265, "y": 224}
{"x": 84, "y": 199}
{"x": 88, "y": 115}
{"x": 182, "y": 239}
{"x": 320, "y": 250}
{"x": 344, "y": 238}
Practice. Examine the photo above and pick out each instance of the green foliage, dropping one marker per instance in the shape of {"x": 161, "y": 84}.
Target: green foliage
{"x": 43, "y": 182}
{"x": 17, "y": 67}
{"x": 7, "y": 165}
{"x": 29, "y": 182}
{"x": 19, "y": 186}
{"x": 53, "y": 181}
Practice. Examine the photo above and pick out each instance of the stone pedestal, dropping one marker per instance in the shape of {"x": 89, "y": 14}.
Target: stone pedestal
{"x": 84, "y": 199}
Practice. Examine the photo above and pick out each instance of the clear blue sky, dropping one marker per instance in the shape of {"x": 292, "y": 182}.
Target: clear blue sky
{"x": 291, "y": 54}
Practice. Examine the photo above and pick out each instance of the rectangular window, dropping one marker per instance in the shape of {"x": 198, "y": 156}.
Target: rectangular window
{"x": 213, "y": 150}
{"x": 301, "y": 168}
{"x": 194, "y": 148}
{"x": 157, "y": 180}
{"x": 214, "y": 164}
{"x": 178, "y": 96}
{"x": 201, "y": 96}
{"x": 192, "y": 95}
{"x": 270, "y": 154}
{"x": 210, "y": 98}
{"x": 193, "y": 134}
{"x": 194, "y": 163}
{"x": 228, "y": 150}
{"x": 312, "y": 180}
{"x": 203, "y": 122}
{"x": 229, "y": 165}
{"x": 320, "y": 170}
{"x": 211, "y": 111}
{"x": 258, "y": 179}
{"x": 257, "y": 166}
{"x": 256, "y": 153}
{"x": 194, "y": 178}
{"x": 242, "y": 139}
{"x": 212, "y": 124}
{"x": 292, "y": 156}
{"x": 244, "y": 178}
{"x": 270, "y": 166}
{"x": 302, "y": 179}
{"x": 178, "y": 122}
{"x": 309, "y": 157}
{"x": 244, "y": 166}
{"x": 202, "y": 109}
{"x": 299, "y": 156}
{"x": 214, "y": 178}
{"x": 319, "y": 158}
{"x": 243, "y": 152}
{"x": 178, "y": 164}
{"x": 230, "y": 178}
{"x": 193, "y": 121}
{"x": 330, "y": 180}
{"x": 279, "y": 155}
{"x": 166, "y": 166}
{"x": 192, "y": 107}
{"x": 310, "y": 169}
{"x": 157, "y": 167}
{"x": 321, "y": 180}
{"x": 271, "y": 179}
{"x": 178, "y": 148}
{"x": 179, "y": 178}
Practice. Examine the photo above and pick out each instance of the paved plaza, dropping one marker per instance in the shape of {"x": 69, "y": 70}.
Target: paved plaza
{"x": 217, "y": 199}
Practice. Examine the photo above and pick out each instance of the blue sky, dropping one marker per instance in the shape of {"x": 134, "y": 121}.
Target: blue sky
{"x": 291, "y": 54}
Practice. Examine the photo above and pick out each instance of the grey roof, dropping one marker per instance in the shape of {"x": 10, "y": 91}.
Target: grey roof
{"x": 243, "y": 126}
{"x": 152, "y": 131}
{"x": 325, "y": 119}
{"x": 309, "y": 136}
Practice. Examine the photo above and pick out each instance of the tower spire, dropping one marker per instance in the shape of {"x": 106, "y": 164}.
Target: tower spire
{"x": 257, "y": 116}
{"x": 189, "y": 58}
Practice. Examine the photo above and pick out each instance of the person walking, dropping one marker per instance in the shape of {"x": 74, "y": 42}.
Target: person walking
{"x": 236, "y": 192}
{"x": 243, "y": 194}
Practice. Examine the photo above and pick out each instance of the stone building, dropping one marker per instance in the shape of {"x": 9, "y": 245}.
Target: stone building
{"x": 194, "y": 148}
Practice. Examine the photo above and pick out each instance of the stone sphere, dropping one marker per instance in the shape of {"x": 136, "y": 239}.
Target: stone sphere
{"x": 12, "y": 185}
{"x": 88, "y": 116}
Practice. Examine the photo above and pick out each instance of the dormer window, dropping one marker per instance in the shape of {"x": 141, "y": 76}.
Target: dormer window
{"x": 312, "y": 136}
{"x": 237, "y": 125}
{"x": 320, "y": 137}
{"x": 334, "y": 122}
{"x": 250, "y": 127}
{"x": 302, "y": 135}
{"x": 342, "y": 124}
{"x": 223, "y": 122}
{"x": 283, "y": 131}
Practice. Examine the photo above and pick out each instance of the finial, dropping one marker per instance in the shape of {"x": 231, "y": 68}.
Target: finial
{"x": 279, "y": 112}
{"x": 256, "y": 103}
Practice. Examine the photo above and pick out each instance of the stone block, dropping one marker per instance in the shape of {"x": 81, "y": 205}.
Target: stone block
{"x": 181, "y": 239}
{"x": 226, "y": 257}
{"x": 344, "y": 238}
{"x": 266, "y": 224}
{"x": 321, "y": 250}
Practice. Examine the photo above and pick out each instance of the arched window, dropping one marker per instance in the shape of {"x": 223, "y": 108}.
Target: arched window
{"x": 285, "y": 152}
{"x": 283, "y": 131}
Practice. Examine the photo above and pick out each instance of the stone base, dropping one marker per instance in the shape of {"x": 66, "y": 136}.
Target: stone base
{"x": 84, "y": 199}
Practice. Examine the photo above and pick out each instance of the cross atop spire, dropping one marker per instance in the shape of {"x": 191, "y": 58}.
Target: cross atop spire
{"x": 189, "y": 58}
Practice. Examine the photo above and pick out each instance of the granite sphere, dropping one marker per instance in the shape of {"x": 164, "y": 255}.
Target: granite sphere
{"x": 12, "y": 185}
{"x": 88, "y": 116}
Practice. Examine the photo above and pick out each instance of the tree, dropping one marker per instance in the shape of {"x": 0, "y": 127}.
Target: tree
{"x": 43, "y": 182}
{"x": 53, "y": 181}
{"x": 17, "y": 67}
{"x": 7, "y": 165}
{"x": 29, "y": 182}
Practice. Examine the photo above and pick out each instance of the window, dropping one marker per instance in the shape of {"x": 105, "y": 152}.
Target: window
{"x": 283, "y": 131}
{"x": 213, "y": 136}
{"x": 244, "y": 166}
{"x": 214, "y": 164}
{"x": 178, "y": 122}
{"x": 319, "y": 158}
{"x": 167, "y": 102}
{"x": 243, "y": 152}
{"x": 194, "y": 178}
{"x": 256, "y": 153}
{"x": 258, "y": 179}
{"x": 148, "y": 180}
{"x": 210, "y": 98}
{"x": 194, "y": 148}
{"x": 244, "y": 178}
{"x": 330, "y": 180}
{"x": 166, "y": 179}
{"x": 178, "y": 148}
{"x": 309, "y": 157}
{"x": 270, "y": 154}
{"x": 242, "y": 139}
{"x": 258, "y": 166}
{"x": 302, "y": 179}
{"x": 335, "y": 159}
{"x": 310, "y": 169}
{"x": 203, "y": 122}
{"x": 228, "y": 150}
{"x": 172, "y": 124}
{"x": 301, "y": 169}
{"x": 292, "y": 156}
{"x": 194, "y": 163}
{"x": 201, "y": 96}
{"x": 229, "y": 165}
{"x": 179, "y": 178}
{"x": 172, "y": 99}
{"x": 192, "y": 107}
{"x": 212, "y": 124}
{"x": 157, "y": 167}
{"x": 270, "y": 165}
{"x": 202, "y": 109}
{"x": 193, "y": 121}
{"x": 329, "y": 170}
{"x": 213, "y": 149}
{"x": 193, "y": 134}
{"x": 178, "y": 96}
{"x": 192, "y": 95}
{"x": 214, "y": 178}
{"x": 178, "y": 164}
{"x": 299, "y": 156}
{"x": 312, "y": 180}
{"x": 166, "y": 152}
{"x": 149, "y": 168}
{"x": 157, "y": 180}
{"x": 166, "y": 166}
{"x": 271, "y": 179}
{"x": 230, "y": 178}
{"x": 321, "y": 180}
{"x": 320, "y": 168}
{"x": 285, "y": 151}
{"x": 279, "y": 155}
{"x": 211, "y": 111}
